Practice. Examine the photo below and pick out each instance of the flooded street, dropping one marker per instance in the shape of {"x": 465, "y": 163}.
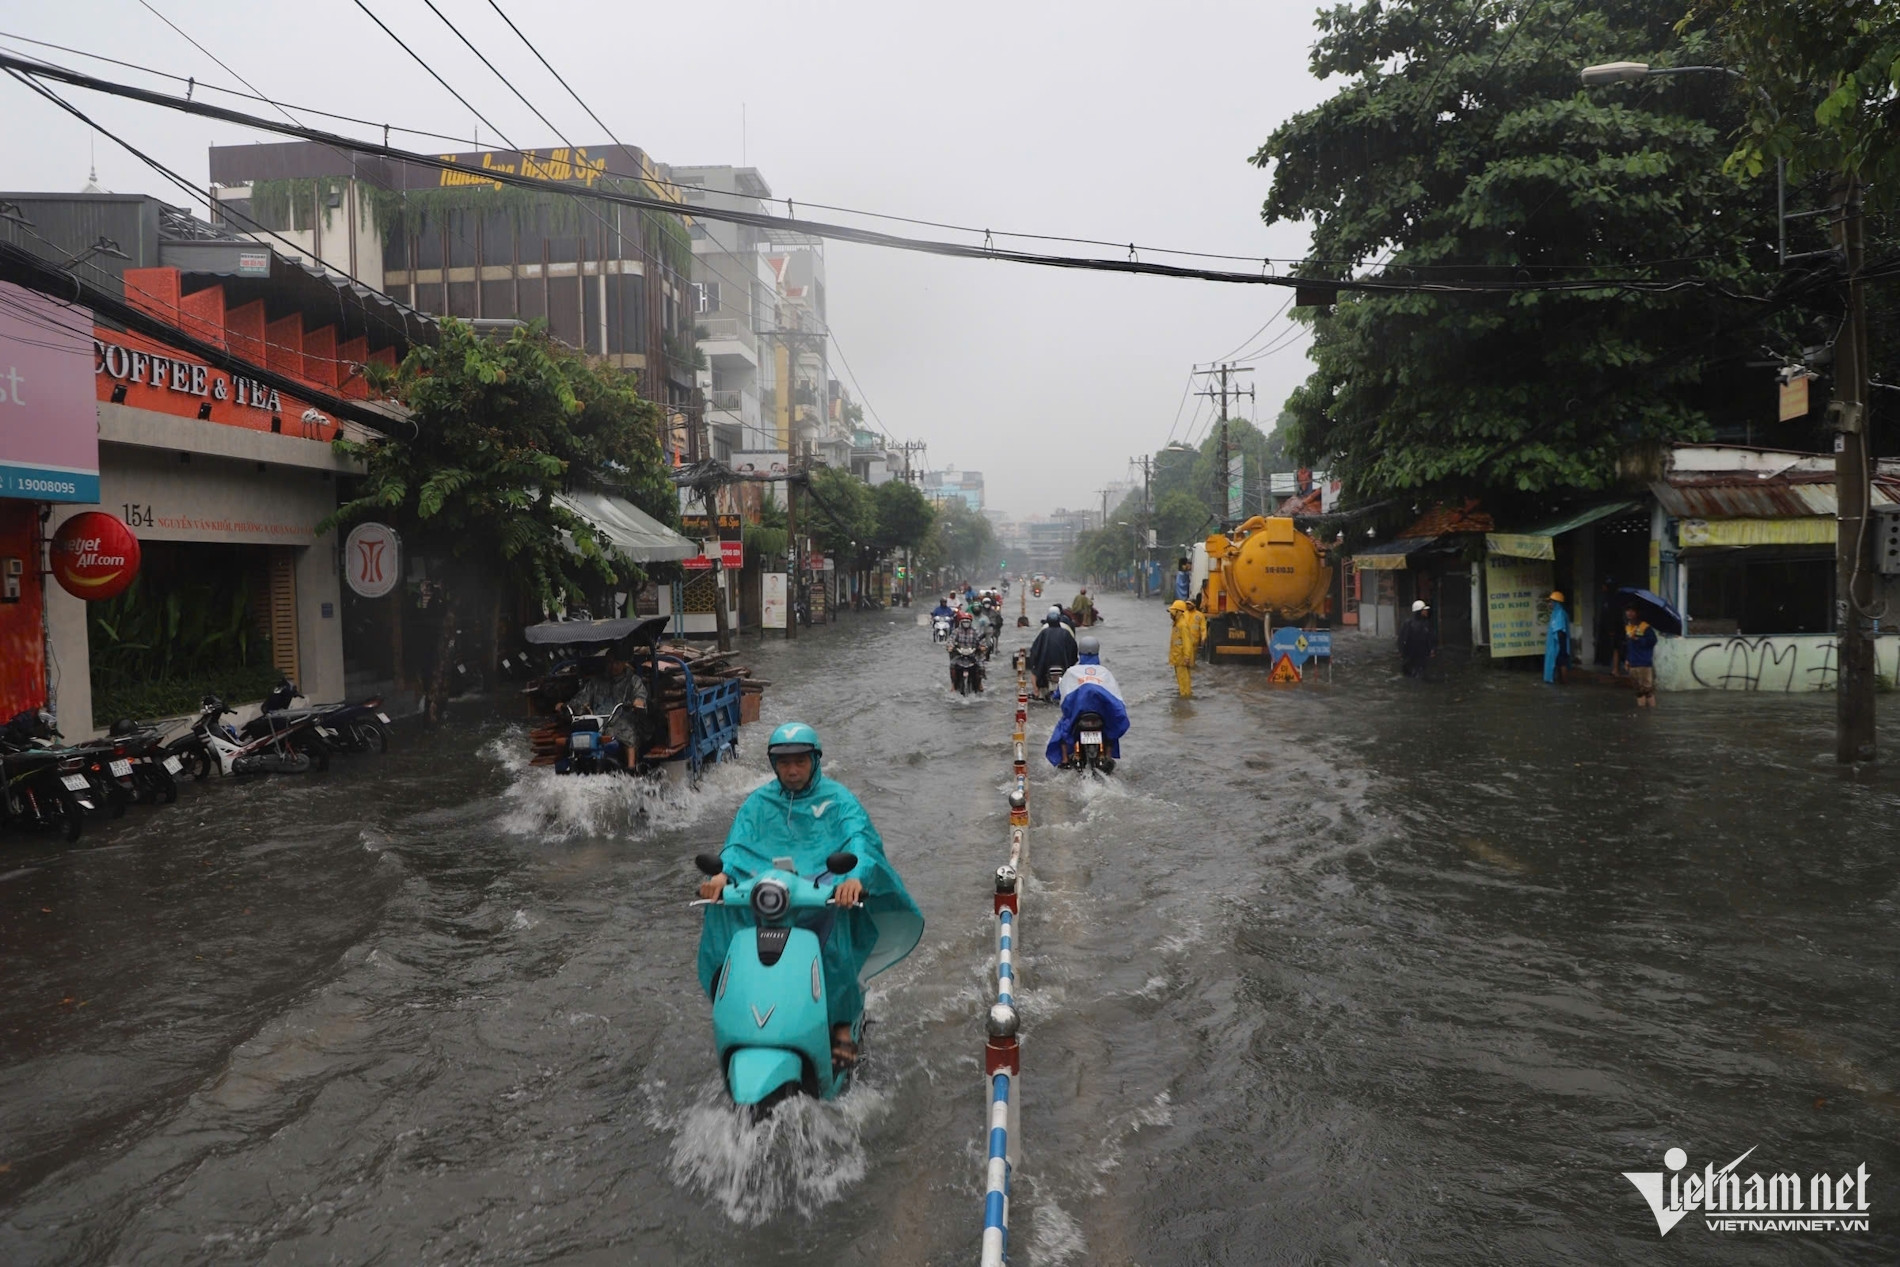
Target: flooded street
{"x": 1368, "y": 971}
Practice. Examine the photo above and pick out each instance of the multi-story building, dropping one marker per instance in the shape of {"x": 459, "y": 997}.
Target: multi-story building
{"x": 222, "y": 481}
{"x": 735, "y": 295}
{"x": 951, "y": 484}
{"x": 611, "y": 280}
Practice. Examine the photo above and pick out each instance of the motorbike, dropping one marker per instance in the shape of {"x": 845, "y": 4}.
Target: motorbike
{"x": 361, "y": 727}
{"x": 210, "y": 742}
{"x": 966, "y": 670}
{"x": 1089, "y": 753}
{"x": 940, "y": 629}
{"x": 591, "y": 748}
{"x": 42, "y": 785}
{"x": 140, "y": 764}
{"x": 770, "y": 1023}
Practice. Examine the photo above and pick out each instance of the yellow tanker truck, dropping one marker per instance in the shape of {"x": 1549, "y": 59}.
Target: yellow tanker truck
{"x": 1266, "y": 569}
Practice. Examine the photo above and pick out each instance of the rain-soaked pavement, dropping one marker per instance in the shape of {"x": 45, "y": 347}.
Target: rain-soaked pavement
{"x": 1368, "y": 971}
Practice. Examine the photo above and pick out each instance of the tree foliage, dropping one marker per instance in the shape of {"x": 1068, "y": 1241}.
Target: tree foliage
{"x": 1462, "y": 148}
{"x": 961, "y": 540}
{"x": 498, "y": 428}
{"x": 1829, "y": 75}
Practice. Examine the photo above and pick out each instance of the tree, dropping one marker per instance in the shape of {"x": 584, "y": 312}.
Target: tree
{"x": 498, "y": 428}
{"x": 1462, "y": 149}
{"x": 1181, "y": 519}
{"x": 843, "y": 520}
{"x": 904, "y": 517}
{"x": 1828, "y": 72}
{"x": 961, "y": 539}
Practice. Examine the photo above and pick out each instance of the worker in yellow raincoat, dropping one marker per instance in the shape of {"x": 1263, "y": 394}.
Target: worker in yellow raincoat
{"x": 1190, "y": 630}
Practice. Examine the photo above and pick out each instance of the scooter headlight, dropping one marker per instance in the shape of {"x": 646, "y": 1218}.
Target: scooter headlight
{"x": 769, "y": 899}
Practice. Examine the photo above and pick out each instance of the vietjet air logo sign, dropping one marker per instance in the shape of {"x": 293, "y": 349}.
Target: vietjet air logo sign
{"x": 95, "y": 556}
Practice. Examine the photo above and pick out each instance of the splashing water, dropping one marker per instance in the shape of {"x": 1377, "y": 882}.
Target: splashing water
{"x": 801, "y": 1157}
{"x": 539, "y": 802}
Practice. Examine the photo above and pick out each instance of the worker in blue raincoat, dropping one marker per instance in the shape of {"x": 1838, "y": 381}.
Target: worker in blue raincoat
{"x": 806, "y": 817}
{"x": 1557, "y": 640}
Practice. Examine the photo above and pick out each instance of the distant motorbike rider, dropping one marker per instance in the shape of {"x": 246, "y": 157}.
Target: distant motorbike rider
{"x": 1058, "y": 612}
{"x": 1084, "y": 608}
{"x": 1088, "y": 687}
{"x": 1052, "y": 653}
{"x": 944, "y": 609}
{"x": 807, "y": 817}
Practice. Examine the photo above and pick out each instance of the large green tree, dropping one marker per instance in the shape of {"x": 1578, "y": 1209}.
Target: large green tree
{"x": 960, "y": 540}
{"x": 1460, "y": 148}
{"x": 498, "y": 429}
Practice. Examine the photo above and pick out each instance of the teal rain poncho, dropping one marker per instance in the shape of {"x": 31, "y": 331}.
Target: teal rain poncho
{"x": 809, "y": 827}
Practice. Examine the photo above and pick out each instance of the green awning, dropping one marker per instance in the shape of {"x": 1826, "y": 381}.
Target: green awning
{"x": 1541, "y": 542}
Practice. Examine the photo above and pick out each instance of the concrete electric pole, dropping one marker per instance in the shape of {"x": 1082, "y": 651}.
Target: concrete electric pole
{"x": 1222, "y": 479}
{"x": 1853, "y": 491}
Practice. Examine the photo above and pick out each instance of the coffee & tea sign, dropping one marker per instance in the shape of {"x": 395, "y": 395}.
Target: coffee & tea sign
{"x": 95, "y": 556}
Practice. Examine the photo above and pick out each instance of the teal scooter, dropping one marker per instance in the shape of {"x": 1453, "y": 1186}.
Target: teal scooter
{"x": 770, "y": 1021}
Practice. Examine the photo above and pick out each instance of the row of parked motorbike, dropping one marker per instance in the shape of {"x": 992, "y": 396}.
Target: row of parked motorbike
{"x": 51, "y": 785}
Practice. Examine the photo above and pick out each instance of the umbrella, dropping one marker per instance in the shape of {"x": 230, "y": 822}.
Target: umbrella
{"x": 1664, "y": 617}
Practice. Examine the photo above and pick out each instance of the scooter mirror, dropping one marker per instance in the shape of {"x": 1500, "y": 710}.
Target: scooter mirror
{"x": 839, "y": 863}
{"x": 708, "y": 864}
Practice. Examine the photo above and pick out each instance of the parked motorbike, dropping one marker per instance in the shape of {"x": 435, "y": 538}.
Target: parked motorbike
{"x": 770, "y": 1020}
{"x": 966, "y": 671}
{"x": 43, "y": 786}
{"x": 1089, "y": 753}
{"x": 140, "y": 763}
{"x": 360, "y": 727}
{"x": 212, "y": 743}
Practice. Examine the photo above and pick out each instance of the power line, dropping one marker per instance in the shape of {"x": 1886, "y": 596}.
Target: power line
{"x": 213, "y": 56}
{"x": 425, "y": 65}
{"x": 848, "y": 233}
{"x": 1257, "y": 333}
{"x": 401, "y": 333}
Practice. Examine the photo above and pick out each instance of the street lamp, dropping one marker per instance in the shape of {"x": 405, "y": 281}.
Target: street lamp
{"x": 1634, "y": 72}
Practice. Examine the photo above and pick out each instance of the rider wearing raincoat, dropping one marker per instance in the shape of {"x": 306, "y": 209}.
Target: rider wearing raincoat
{"x": 806, "y": 817}
{"x": 1088, "y": 687}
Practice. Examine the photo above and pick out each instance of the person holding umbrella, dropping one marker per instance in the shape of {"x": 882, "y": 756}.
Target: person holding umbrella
{"x": 1639, "y": 655}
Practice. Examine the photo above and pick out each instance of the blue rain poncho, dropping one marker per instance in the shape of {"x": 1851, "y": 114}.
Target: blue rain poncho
{"x": 1089, "y": 688}
{"x": 1556, "y": 639}
{"x": 809, "y": 827}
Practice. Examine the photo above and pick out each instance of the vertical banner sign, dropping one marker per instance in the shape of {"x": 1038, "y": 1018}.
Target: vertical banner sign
{"x": 1236, "y": 485}
{"x": 49, "y": 415}
{"x": 1794, "y": 398}
{"x": 772, "y": 606}
{"x": 1513, "y": 590}
{"x": 732, "y": 555}
{"x": 372, "y": 560}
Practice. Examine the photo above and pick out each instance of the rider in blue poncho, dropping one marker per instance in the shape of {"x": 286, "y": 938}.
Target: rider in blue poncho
{"x": 806, "y": 817}
{"x": 1088, "y": 687}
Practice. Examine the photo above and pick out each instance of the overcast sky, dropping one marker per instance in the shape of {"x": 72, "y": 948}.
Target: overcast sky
{"x": 1117, "y": 121}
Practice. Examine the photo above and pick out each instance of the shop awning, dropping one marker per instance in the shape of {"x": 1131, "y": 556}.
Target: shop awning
{"x": 635, "y": 533}
{"x": 1804, "y": 530}
{"x": 1392, "y": 556}
{"x": 1541, "y": 542}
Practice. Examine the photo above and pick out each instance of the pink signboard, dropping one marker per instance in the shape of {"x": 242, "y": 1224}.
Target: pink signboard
{"x": 49, "y": 420}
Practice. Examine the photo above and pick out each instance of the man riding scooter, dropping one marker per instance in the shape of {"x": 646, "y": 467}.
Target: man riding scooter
{"x": 1088, "y": 688}
{"x": 797, "y": 823}
{"x": 1052, "y": 653}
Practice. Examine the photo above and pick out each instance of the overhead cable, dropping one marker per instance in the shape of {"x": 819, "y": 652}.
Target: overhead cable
{"x": 848, "y": 233}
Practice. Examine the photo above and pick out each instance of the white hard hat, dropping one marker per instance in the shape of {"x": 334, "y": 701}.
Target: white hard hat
{"x": 1419, "y": 605}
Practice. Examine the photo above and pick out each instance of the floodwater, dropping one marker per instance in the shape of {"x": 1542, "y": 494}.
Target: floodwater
{"x": 1361, "y": 971}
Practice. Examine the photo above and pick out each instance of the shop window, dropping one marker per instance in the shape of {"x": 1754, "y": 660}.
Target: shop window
{"x": 1756, "y": 592}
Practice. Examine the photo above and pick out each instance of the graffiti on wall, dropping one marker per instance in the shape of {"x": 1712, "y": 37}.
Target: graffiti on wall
{"x": 1780, "y": 664}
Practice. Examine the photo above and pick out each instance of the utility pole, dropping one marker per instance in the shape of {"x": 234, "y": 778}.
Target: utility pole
{"x": 791, "y": 553}
{"x": 1226, "y": 370}
{"x": 1853, "y": 491}
{"x": 1143, "y": 552}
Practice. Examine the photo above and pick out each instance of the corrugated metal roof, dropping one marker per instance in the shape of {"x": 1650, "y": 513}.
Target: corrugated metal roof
{"x": 1745, "y": 495}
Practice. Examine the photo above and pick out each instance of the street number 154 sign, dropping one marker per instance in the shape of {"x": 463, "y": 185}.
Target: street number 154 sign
{"x": 372, "y": 560}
